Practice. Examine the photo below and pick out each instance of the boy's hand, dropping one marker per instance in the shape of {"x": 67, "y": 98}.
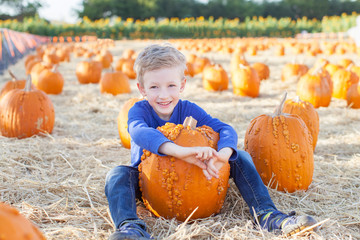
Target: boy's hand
{"x": 215, "y": 163}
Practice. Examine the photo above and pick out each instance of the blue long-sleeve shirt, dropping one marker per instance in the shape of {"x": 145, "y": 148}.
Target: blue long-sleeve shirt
{"x": 143, "y": 121}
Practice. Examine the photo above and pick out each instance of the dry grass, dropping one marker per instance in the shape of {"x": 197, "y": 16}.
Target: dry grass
{"x": 57, "y": 181}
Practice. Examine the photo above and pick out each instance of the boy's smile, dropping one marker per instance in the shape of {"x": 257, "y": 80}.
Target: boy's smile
{"x": 162, "y": 88}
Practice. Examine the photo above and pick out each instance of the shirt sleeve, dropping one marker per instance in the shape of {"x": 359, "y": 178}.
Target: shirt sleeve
{"x": 228, "y": 135}
{"x": 142, "y": 134}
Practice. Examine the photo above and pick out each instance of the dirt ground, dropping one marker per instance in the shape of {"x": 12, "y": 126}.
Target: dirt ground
{"x": 58, "y": 180}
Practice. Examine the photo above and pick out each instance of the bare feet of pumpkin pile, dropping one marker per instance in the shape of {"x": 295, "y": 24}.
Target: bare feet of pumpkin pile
{"x": 287, "y": 225}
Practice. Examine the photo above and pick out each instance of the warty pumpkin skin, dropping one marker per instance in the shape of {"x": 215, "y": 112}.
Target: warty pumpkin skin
{"x": 173, "y": 188}
{"x": 14, "y": 226}
{"x": 307, "y": 113}
{"x": 122, "y": 122}
{"x": 26, "y": 112}
{"x": 281, "y": 148}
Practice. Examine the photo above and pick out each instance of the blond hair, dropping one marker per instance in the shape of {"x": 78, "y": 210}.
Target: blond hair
{"x": 156, "y": 57}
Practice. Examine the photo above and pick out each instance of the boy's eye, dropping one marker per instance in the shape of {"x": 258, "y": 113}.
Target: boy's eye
{"x": 153, "y": 87}
{"x": 172, "y": 85}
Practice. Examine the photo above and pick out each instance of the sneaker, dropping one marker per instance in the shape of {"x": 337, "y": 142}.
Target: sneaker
{"x": 130, "y": 231}
{"x": 288, "y": 224}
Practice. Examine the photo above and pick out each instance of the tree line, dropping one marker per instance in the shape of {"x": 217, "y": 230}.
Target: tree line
{"x": 143, "y": 9}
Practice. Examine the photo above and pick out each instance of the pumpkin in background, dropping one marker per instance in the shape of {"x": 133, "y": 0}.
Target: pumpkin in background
{"x": 88, "y": 72}
{"x": 37, "y": 69}
{"x": 189, "y": 71}
{"x": 280, "y": 50}
{"x": 237, "y": 59}
{"x": 332, "y": 68}
{"x": 119, "y": 63}
{"x": 128, "y": 68}
{"x": 245, "y": 81}
{"x": 50, "y": 81}
{"x": 281, "y": 147}
{"x": 122, "y": 122}
{"x": 51, "y": 57}
{"x": 30, "y": 64}
{"x": 14, "y": 83}
{"x": 173, "y": 188}
{"x": 307, "y": 113}
{"x": 345, "y": 62}
{"x": 215, "y": 78}
{"x": 26, "y": 112}
{"x": 262, "y": 70}
{"x": 293, "y": 70}
{"x": 105, "y": 57}
{"x": 114, "y": 83}
{"x": 15, "y": 226}
{"x": 199, "y": 64}
{"x": 315, "y": 87}
{"x": 128, "y": 53}
{"x": 342, "y": 80}
{"x": 353, "y": 96}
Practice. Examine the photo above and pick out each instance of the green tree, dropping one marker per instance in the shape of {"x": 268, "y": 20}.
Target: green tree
{"x": 21, "y": 8}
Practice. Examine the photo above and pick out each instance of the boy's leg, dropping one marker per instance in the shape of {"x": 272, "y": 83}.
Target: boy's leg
{"x": 122, "y": 190}
{"x": 250, "y": 185}
{"x": 256, "y": 195}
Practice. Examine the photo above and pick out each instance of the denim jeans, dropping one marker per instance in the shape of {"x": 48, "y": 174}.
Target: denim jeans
{"x": 122, "y": 189}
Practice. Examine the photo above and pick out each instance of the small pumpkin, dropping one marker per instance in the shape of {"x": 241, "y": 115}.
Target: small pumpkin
{"x": 88, "y": 72}
{"x": 306, "y": 112}
{"x": 262, "y": 70}
{"x": 122, "y": 120}
{"x": 14, "y": 83}
{"x": 315, "y": 87}
{"x": 105, "y": 57}
{"x": 50, "y": 81}
{"x": 16, "y": 226}
{"x": 353, "y": 96}
{"x": 245, "y": 81}
{"x": 215, "y": 78}
{"x": 293, "y": 70}
{"x": 26, "y": 112}
{"x": 170, "y": 186}
{"x": 128, "y": 68}
{"x": 281, "y": 147}
{"x": 199, "y": 64}
{"x": 115, "y": 83}
{"x": 342, "y": 80}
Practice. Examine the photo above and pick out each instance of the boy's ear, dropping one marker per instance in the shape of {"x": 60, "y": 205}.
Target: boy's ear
{"x": 182, "y": 86}
{"x": 141, "y": 89}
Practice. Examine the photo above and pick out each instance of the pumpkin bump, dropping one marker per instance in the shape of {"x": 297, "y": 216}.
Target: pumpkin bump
{"x": 173, "y": 188}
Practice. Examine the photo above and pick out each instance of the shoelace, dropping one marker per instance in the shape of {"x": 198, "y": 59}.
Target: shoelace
{"x": 276, "y": 220}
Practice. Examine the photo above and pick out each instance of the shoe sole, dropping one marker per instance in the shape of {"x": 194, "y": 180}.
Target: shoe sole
{"x": 299, "y": 229}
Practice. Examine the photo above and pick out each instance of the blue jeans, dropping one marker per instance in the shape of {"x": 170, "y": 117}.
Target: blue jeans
{"x": 122, "y": 189}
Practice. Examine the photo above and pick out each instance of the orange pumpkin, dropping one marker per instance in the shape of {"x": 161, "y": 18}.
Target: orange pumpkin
{"x": 293, "y": 70}
{"x": 122, "y": 122}
{"x": 215, "y": 78}
{"x": 315, "y": 87}
{"x": 114, "y": 83}
{"x": 245, "y": 81}
{"x": 262, "y": 70}
{"x": 14, "y": 83}
{"x": 307, "y": 113}
{"x": 37, "y": 69}
{"x": 353, "y": 96}
{"x": 128, "y": 68}
{"x": 342, "y": 80}
{"x": 50, "y": 81}
{"x": 105, "y": 57}
{"x": 88, "y": 72}
{"x": 237, "y": 59}
{"x": 26, "y": 112}
{"x": 290, "y": 165}
{"x": 16, "y": 226}
{"x": 173, "y": 188}
{"x": 199, "y": 64}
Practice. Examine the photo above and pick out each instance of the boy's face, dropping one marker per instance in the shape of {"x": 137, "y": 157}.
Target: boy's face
{"x": 162, "y": 88}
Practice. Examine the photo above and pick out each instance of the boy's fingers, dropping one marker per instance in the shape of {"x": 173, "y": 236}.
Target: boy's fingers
{"x": 207, "y": 175}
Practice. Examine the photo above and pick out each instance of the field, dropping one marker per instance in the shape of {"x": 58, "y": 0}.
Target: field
{"x": 58, "y": 180}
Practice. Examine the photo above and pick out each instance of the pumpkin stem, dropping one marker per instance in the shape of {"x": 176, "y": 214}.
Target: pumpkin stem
{"x": 191, "y": 122}
{"x": 28, "y": 84}
{"x": 13, "y": 77}
{"x": 278, "y": 109}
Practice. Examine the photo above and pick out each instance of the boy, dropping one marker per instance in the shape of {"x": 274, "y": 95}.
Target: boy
{"x": 160, "y": 74}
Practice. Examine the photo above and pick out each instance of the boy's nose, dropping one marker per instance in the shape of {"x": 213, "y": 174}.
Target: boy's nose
{"x": 163, "y": 93}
